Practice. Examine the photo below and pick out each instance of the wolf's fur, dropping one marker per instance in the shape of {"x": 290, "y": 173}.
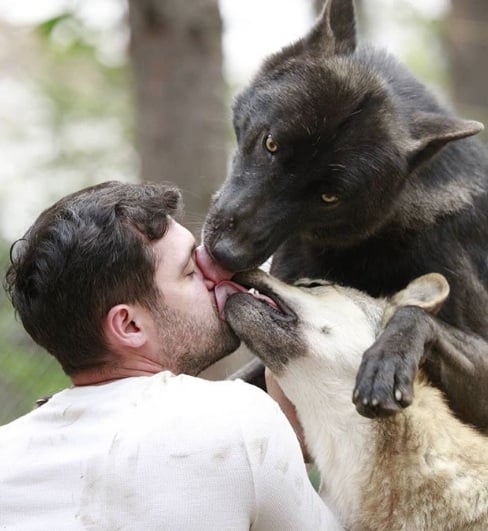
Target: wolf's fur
{"x": 370, "y": 182}
{"x": 421, "y": 469}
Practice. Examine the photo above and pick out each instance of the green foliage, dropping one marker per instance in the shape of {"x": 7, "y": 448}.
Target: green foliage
{"x": 82, "y": 115}
{"x": 28, "y": 372}
{"x": 85, "y": 96}
{"x": 47, "y": 27}
{"x": 425, "y": 54}
{"x": 414, "y": 35}
{"x": 73, "y": 75}
{"x": 314, "y": 476}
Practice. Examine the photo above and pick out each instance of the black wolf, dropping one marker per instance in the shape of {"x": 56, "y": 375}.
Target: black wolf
{"x": 348, "y": 168}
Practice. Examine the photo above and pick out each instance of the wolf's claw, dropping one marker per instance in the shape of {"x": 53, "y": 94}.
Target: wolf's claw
{"x": 384, "y": 383}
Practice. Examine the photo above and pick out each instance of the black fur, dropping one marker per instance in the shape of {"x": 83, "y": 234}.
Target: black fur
{"x": 372, "y": 183}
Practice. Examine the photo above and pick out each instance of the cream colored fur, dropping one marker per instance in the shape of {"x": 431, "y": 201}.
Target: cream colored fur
{"x": 419, "y": 470}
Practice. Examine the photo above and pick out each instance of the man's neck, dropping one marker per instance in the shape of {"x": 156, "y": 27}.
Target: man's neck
{"x": 107, "y": 374}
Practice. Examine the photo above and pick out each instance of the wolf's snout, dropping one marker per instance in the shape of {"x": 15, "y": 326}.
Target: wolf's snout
{"x": 228, "y": 255}
{"x": 229, "y": 237}
{"x": 237, "y": 248}
{"x": 238, "y": 233}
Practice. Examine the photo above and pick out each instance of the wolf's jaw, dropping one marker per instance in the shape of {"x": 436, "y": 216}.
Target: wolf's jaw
{"x": 226, "y": 288}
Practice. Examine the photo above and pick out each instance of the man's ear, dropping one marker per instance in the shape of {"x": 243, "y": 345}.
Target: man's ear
{"x": 335, "y": 30}
{"x": 428, "y": 292}
{"x": 123, "y": 327}
{"x": 429, "y": 132}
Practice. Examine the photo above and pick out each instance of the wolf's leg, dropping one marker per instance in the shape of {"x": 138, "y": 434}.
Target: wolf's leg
{"x": 456, "y": 361}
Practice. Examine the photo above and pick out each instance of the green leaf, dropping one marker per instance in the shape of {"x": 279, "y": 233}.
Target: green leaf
{"x": 46, "y": 28}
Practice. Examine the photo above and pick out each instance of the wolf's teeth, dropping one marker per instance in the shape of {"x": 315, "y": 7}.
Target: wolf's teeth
{"x": 253, "y": 291}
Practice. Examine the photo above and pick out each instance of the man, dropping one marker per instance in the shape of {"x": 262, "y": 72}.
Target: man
{"x": 109, "y": 283}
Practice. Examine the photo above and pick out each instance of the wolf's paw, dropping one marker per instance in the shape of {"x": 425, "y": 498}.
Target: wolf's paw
{"x": 384, "y": 383}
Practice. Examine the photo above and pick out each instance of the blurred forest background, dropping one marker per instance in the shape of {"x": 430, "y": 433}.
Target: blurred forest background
{"x": 92, "y": 90}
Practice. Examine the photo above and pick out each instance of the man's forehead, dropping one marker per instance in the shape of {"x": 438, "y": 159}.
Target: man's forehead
{"x": 175, "y": 245}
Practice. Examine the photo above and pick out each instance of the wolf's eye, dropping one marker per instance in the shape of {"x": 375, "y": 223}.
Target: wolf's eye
{"x": 270, "y": 144}
{"x": 313, "y": 285}
{"x": 307, "y": 283}
{"x": 329, "y": 199}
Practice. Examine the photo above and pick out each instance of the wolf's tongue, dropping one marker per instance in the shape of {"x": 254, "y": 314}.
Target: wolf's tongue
{"x": 218, "y": 279}
{"x": 223, "y": 290}
{"x": 226, "y": 288}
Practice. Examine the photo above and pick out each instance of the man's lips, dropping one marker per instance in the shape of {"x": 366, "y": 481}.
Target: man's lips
{"x": 218, "y": 279}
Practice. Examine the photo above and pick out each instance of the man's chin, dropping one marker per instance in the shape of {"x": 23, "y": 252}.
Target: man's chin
{"x": 229, "y": 344}
{"x": 195, "y": 363}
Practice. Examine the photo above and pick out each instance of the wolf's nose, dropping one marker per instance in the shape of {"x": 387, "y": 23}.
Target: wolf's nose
{"x": 225, "y": 254}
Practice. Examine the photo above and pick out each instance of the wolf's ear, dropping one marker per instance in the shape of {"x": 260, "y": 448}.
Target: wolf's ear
{"x": 335, "y": 30}
{"x": 428, "y": 292}
{"x": 429, "y": 132}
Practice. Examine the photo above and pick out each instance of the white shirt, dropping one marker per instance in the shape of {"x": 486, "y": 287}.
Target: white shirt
{"x": 162, "y": 452}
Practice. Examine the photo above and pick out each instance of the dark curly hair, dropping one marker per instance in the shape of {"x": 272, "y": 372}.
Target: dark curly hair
{"x": 83, "y": 255}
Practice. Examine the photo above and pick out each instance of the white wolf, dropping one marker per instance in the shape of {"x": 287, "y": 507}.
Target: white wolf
{"x": 421, "y": 469}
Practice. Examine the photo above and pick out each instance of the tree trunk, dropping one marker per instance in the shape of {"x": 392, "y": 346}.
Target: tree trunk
{"x": 176, "y": 55}
{"x": 467, "y": 44}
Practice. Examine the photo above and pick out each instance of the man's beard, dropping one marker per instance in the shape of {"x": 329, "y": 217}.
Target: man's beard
{"x": 189, "y": 345}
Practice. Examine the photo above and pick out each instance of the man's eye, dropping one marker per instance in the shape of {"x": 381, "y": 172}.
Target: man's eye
{"x": 190, "y": 268}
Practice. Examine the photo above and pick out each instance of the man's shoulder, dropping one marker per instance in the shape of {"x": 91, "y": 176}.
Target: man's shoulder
{"x": 200, "y": 411}
{"x": 221, "y": 392}
{"x": 189, "y": 396}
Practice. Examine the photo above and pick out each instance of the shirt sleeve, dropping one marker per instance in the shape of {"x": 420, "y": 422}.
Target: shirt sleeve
{"x": 285, "y": 499}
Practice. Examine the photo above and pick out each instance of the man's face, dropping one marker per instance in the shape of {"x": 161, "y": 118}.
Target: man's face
{"x": 190, "y": 333}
